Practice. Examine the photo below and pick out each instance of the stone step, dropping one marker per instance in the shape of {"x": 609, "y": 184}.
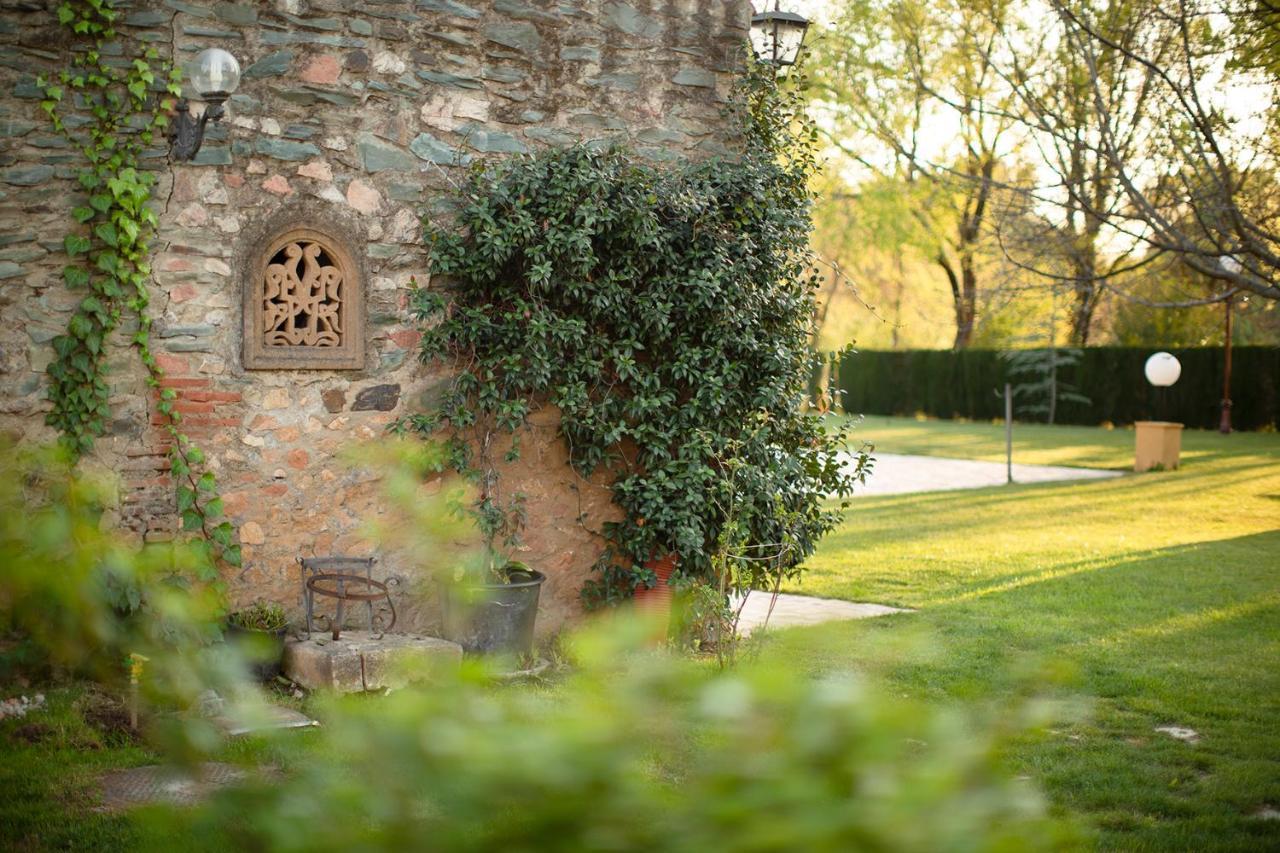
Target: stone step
{"x": 360, "y": 661}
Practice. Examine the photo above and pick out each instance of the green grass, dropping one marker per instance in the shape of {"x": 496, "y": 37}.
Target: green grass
{"x": 52, "y": 761}
{"x": 1038, "y": 444}
{"x": 1131, "y": 603}
{"x": 49, "y": 764}
{"x": 1154, "y": 599}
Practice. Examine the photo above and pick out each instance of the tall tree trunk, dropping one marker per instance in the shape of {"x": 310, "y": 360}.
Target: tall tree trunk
{"x": 964, "y": 288}
{"x": 1082, "y": 315}
{"x": 897, "y": 301}
{"x": 1087, "y": 290}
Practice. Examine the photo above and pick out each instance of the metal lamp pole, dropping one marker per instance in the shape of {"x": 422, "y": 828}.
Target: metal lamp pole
{"x": 1224, "y": 426}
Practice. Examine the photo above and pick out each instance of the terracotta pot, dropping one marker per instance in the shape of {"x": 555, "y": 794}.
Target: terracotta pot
{"x": 657, "y": 599}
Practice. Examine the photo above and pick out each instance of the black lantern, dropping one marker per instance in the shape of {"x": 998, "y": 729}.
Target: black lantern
{"x": 214, "y": 74}
{"x": 776, "y": 36}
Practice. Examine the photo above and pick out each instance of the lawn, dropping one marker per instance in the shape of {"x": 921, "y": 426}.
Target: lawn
{"x": 1038, "y": 444}
{"x": 1107, "y": 608}
{"x": 1153, "y": 598}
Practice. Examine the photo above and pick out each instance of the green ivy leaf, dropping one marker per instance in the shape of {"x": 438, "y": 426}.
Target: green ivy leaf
{"x": 75, "y": 244}
{"x": 107, "y": 233}
{"x": 75, "y": 276}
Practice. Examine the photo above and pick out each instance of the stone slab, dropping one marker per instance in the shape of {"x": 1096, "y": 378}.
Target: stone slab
{"x": 138, "y": 786}
{"x": 270, "y": 718}
{"x": 792, "y": 610}
{"x": 359, "y": 661}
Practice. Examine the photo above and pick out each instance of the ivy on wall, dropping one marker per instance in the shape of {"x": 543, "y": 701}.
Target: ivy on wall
{"x": 667, "y": 314}
{"x": 120, "y": 108}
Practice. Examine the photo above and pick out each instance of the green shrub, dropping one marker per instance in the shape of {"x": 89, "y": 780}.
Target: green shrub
{"x": 641, "y": 751}
{"x": 967, "y": 384}
{"x": 76, "y": 596}
{"x": 667, "y": 314}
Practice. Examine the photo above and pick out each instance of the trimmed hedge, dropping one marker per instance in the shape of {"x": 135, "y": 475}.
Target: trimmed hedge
{"x": 950, "y": 384}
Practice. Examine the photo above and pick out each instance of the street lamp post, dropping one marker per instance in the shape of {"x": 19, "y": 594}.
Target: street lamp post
{"x": 1224, "y": 425}
{"x": 1233, "y": 266}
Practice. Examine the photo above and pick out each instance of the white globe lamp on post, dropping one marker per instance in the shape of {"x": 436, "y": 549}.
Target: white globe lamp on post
{"x": 1159, "y": 443}
{"x": 1163, "y": 369}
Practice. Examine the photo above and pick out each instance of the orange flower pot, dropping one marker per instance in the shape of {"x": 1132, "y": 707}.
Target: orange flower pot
{"x": 657, "y": 599}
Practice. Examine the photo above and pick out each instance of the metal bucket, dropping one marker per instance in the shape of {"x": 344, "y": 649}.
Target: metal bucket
{"x": 494, "y": 618}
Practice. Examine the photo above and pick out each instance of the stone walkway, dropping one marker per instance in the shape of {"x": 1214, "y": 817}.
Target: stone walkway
{"x": 897, "y": 474}
{"x": 793, "y": 610}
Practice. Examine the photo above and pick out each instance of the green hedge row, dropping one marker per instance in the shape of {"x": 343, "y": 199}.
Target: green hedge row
{"x": 948, "y": 384}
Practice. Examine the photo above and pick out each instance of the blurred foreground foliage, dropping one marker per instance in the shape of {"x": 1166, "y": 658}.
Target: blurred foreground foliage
{"x": 78, "y": 599}
{"x": 638, "y": 750}
{"x": 76, "y": 596}
{"x": 634, "y": 749}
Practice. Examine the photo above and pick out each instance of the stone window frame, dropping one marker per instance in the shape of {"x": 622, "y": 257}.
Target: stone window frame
{"x": 349, "y": 355}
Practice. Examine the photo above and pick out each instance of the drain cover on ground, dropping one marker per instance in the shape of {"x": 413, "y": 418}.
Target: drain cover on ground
{"x": 137, "y": 786}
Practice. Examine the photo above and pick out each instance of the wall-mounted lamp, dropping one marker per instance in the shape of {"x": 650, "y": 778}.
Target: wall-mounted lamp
{"x": 214, "y": 74}
{"x": 776, "y": 36}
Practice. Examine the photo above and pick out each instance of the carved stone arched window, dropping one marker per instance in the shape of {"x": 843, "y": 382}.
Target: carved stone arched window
{"x": 303, "y": 305}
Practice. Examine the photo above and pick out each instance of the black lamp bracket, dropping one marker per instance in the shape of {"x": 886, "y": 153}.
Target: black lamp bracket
{"x": 187, "y": 133}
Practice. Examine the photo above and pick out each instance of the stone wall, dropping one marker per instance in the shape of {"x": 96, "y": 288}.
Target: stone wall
{"x": 358, "y": 118}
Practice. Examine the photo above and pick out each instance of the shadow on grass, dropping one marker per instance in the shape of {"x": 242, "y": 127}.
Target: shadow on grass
{"x": 1007, "y": 507}
{"x": 1184, "y": 636}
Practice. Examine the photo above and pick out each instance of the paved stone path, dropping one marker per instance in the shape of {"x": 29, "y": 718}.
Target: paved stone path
{"x": 897, "y": 474}
{"x": 792, "y": 610}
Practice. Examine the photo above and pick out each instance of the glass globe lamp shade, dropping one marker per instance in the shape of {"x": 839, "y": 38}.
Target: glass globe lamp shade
{"x": 1162, "y": 370}
{"x": 776, "y": 36}
{"x": 214, "y": 74}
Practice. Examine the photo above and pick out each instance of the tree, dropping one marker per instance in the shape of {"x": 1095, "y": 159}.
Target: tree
{"x": 887, "y": 72}
{"x": 1192, "y": 175}
{"x": 1069, "y": 104}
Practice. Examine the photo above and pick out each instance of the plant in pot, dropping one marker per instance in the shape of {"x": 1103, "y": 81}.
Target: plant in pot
{"x": 257, "y": 632}
{"x": 491, "y": 603}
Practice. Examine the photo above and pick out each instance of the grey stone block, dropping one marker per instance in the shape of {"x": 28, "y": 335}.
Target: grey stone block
{"x": 26, "y": 176}
{"x": 357, "y": 661}
{"x": 272, "y": 65}
{"x": 695, "y": 77}
{"x": 285, "y": 149}
{"x": 517, "y": 36}
{"x": 379, "y": 156}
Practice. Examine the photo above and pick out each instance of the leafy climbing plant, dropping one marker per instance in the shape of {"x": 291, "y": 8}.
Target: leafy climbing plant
{"x": 120, "y": 108}
{"x": 667, "y": 314}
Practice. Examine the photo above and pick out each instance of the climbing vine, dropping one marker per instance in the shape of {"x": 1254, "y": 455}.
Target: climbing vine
{"x": 111, "y": 110}
{"x": 667, "y": 314}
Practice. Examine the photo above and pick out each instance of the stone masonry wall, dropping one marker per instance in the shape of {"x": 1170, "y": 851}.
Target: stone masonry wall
{"x": 355, "y": 118}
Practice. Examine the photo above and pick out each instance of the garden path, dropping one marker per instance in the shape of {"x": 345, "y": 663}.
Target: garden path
{"x": 897, "y": 474}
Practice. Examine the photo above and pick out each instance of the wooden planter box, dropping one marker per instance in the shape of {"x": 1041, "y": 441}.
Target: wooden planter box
{"x": 1158, "y": 445}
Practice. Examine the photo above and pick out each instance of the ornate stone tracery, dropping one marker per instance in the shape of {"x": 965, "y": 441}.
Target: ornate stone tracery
{"x": 302, "y": 309}
{"x": 302, "y": 304}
